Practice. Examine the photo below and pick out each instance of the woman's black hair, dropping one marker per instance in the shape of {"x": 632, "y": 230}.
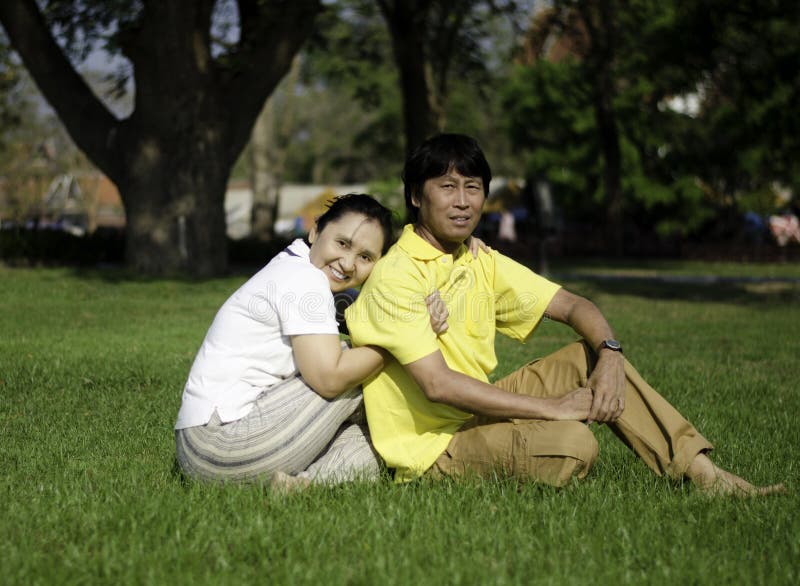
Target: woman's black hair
{"x": 435, "y": 157}
{"x": 360, "y": 203}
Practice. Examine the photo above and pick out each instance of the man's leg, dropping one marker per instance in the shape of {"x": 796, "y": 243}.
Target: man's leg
{"x": 543, "y": 451}
{"x": 649, "y": 425}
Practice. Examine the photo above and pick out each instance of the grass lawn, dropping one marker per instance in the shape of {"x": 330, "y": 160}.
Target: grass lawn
{"x": 91, "y": 370}
{"x": 679, "y": 268}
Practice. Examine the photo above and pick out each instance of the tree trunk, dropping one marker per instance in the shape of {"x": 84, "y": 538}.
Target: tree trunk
{"x": 269, "y": 142}
{"x": 606, "y": 120}
{"x": 406, "y": 20}
{"x": 175, "y": 214}
{"x": 263, "y": 181}
{"x": 598, "y": 17}
{"x": 193, "y": 114}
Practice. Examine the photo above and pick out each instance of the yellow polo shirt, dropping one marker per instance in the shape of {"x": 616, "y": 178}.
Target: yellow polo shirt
{"x": 483, "y": 295}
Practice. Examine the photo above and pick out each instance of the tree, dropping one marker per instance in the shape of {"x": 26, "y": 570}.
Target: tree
{"x": 590, "y": 105}
{"x": 431, "y": 39}
{"x": 269, "y": 143}
{"x": 407, "y": 22}
{"x": 590, "y": 29}
{"x": 747, "y": 132}
{"x": 10, "y": 107}
{"x": 33, "y": 145}
{"x": 196, "y": 101}
{"x": 354, "y": 111}
{"x": 681, "y": 170}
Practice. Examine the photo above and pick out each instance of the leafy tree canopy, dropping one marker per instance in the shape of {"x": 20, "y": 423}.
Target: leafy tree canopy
{"x": 680, "y": 167}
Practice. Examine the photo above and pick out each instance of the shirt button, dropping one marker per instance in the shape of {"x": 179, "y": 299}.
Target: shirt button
{"x": 444, "y": 260}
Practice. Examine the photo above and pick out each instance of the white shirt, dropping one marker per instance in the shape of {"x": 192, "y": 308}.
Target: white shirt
{"x": 247, "y": 348}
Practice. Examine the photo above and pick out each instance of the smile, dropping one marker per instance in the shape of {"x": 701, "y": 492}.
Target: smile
{"x": 337, "y": 274}
{"x": 460, "y": 219}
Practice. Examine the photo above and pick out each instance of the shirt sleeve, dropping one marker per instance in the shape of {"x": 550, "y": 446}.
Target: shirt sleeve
{"x": 521, "y": 297}
{"x": 391, "y": 313}
{"x": 304, "y": 303}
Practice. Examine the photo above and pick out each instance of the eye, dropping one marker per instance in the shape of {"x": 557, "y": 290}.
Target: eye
{"x": 366, "y": 258}
{"x": 342, "y": 243}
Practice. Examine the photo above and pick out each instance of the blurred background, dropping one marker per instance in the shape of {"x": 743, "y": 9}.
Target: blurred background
{"x": 192, "y": 134}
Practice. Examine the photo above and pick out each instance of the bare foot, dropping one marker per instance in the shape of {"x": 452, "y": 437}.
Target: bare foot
{"x": 713, "y": 480}
{"x": 286, "y": 483}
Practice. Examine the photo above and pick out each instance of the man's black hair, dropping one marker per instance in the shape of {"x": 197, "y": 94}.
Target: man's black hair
{"x": 435, "y": 157}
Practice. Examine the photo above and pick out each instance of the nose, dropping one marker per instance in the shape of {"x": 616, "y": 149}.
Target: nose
{"x": 461, "y": 198}
{"x": 347, "y": 262}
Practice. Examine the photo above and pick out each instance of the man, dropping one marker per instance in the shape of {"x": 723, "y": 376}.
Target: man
{"x": 431, "y": 410}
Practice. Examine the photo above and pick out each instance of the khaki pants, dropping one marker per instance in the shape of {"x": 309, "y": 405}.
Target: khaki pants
{"x": 555, "y": 451}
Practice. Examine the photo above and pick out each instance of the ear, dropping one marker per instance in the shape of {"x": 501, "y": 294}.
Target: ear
{"x": 415, "y": 199}
{"x": 312, "y": 234}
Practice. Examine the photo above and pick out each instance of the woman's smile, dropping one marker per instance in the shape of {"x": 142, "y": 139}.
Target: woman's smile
{"x": 346, "y": 250}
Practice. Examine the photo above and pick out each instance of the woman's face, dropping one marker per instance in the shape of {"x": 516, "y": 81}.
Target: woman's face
{"x": 346, "y": 249}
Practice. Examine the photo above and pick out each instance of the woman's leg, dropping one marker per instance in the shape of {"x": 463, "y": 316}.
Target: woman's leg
{"x": 289, "y": 426}
{"x": 350, "y": 456}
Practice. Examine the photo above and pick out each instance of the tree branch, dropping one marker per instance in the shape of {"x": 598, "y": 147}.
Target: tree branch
{"x": 272, "y": 36}
{"x": 62, "y": 86}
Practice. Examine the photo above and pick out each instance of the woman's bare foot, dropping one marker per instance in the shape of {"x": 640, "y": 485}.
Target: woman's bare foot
{"x": 286, "y": 483}
{"x": 713, "y": 480}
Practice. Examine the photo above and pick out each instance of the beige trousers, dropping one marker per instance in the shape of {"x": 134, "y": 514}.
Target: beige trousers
{"x": 553, "y": 452}
{"x": 291, "y": 429}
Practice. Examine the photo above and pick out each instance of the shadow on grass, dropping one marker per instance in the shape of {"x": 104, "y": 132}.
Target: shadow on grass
{"x": 179, "y": 476}
{"x": 115, "y": 274}
{"x": 100, "y": 255}
{"x": 756, "y": 292}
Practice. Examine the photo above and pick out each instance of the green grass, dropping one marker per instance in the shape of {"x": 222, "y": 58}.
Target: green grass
{"x": 660, "y": 267}
{"x": 91, "y": 370}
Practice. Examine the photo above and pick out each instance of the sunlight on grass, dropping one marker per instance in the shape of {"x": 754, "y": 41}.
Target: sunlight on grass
{"x": 91, "y": 370}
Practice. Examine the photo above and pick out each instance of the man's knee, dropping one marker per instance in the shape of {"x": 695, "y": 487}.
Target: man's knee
{"x": 568, "y": 451}
{"x": 586, "y": 451}
{"x": 580, "y": 450}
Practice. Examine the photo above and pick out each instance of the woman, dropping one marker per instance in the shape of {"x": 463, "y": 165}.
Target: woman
{"x": 246, "y": 413}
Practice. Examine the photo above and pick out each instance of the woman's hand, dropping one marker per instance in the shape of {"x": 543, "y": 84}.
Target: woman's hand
{"x": 474, "y": 244}
{"x": 438, "y": 312}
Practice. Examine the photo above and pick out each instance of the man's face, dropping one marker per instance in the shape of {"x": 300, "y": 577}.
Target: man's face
{"x": 449, "y": 209}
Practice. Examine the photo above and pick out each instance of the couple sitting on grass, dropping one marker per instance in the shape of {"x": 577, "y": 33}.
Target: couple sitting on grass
{"x": 273, "y": 396}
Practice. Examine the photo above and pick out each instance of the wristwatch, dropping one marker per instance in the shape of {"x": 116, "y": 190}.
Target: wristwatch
{"x": 611, "y": 345}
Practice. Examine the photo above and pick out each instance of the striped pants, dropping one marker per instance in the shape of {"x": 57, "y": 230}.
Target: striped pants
{"x": 290, "y": 429}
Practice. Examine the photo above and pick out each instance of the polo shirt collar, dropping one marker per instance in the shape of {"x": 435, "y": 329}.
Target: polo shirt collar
{"x": 418, "y": 248}
{"x": 299, "y": 248}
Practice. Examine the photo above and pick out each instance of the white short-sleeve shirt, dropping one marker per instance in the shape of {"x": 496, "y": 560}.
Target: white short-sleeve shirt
{"x": 248, "y": 346}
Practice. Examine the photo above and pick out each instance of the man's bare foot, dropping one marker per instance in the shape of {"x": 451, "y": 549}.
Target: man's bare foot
{"x": 713, "y": 480}
{"x": 286, "y": 483}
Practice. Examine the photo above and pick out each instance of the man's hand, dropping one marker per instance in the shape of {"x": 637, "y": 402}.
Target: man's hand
{"x": 608, "y": 383}
{"x": 573, "y": 406}
{"x": 438, "y": 312}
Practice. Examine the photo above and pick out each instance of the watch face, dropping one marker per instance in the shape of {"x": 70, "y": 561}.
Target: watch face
{"x": 611, "y": 345}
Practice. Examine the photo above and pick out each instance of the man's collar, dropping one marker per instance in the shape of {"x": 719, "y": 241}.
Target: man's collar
{"x": 420, "y": 249}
